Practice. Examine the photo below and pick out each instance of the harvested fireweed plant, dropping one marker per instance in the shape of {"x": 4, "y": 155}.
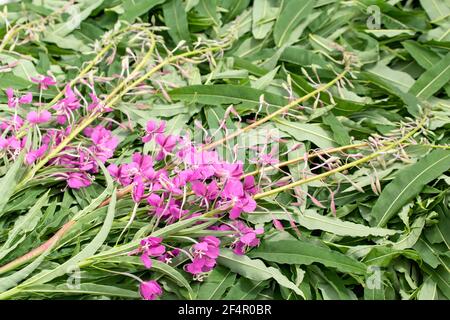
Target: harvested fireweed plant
{"x": 224, "y": 150}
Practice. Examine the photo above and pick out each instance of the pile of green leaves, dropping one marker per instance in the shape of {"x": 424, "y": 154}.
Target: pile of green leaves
{"x": 381, "y": 229}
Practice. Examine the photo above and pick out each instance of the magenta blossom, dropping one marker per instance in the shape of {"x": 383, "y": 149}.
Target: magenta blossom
{"x": 65, "y": 106}
{"x": 14, "y": 102}
{"x": 77, "y": 180}
{"x": 12, "y": 144}
{"x": 169, "y": 255}
{"x": 153, "y": 128}
{"x": 44, "y": 82}
{"x": 138, "y": 189}
{"x": 104, "y": 143}
{"x": 15, "y": 123}
{"x": 240, "y": 201}
{"x": 229, "y": 170}
{"x": 205, "y": 254}
{"x": 150, "y": 290}
{"x": 246, "y": 237}
{"x": 37, "y": 117}
{"x": 33, "y": 155}
{"x": 150, "y": 247}
{"x": 97, "y": 105}
{"x": 167, "y": 144}
{"x": 170, "y": 209}
{"x": 205, "y": 191}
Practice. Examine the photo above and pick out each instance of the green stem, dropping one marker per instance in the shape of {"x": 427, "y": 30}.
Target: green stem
{"x": 342, "y": 168}
{"x": 110, "y": 100}
{"x": 278, "y": 112}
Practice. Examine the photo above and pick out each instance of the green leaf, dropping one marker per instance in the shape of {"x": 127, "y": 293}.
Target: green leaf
{"x": 218, "y": 281}
{"x": 264, "y": 15}
{"x": 254, "y": 269}
{"x": 433, "y": 79}
{"x": 397, "y": 79}
{"x": 10, "y": 180}
{"x": 92, "y": 289}
{"x": 302, "y": 252}
{"x": 292, "y": 14}
{"x": 136, "y": 8}
{"x": 340, "y": 133}
{"x": 428, "y": 290}
{"x": 207, "y": 8}
{"x": 408, "y": 183}
{"x": 436, "y": 9}
{"x": 311, "y": 220}
{"x": 176, "y": 19}
{"x": 22, "y": 225}
{"x": 442, "y": 277}
{"x": 302, "y": 57}
{"x": 407, "y": 241}
{"x": 245, "y": 289}
{"x": 307, "y": 132}
{"x": 85, "y": 253}
{"x": 225, "y": 94}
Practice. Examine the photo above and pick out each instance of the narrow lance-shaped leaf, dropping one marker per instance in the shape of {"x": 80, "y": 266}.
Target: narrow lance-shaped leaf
{"x": 291, "y": 15}
{"x": 302, "y": 252}
{"x": 175, "y": 18}
{"x": 48, "y": 275}
{"x": 408, "y": 183}
{"x": 225, "y": 94}
{"x": 433, "y": 79}
{"x": 254, "y": 269}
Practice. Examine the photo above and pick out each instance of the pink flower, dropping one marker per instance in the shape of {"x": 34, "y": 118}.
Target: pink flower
{"x": 12, "y": 143}
{"x": 37, "y": 117}
{"x": 77, "y": 180}
{"x": 171, "y": 210}
{"x": 249, "y": 185}
{"x": 138, "y": 190}
{"x": 26, "y": 99}
{"x": 246, "y": 237}
{"x": 234, "y": 193}
{"x": 14, "y": 123}
{"x": 104, "y": 143}
{"x": 144, "y": 165}
{"x": 153, "y": 128}
{"x": 44, "y": 81}
{"x": 150, "y": 290}
{"x": 169, "y": 255}
{"x": 97, "y": 105}
{"x": 14, "y": 102}
{"x": 167, "y": 144}
{"x": 227, "y": 170}
{"x": 208, "y": 192}
{"x": 151, "y": 247}
{"x": 205, "y": 254}
{"x": 33, "y": 155}
{"x": 66, "y": 105}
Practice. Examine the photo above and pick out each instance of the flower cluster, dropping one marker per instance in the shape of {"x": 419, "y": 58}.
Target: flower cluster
{"x": 80, "y": 161}
{"x": 178, "y": 180}
{"x": 213, "y": 182}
